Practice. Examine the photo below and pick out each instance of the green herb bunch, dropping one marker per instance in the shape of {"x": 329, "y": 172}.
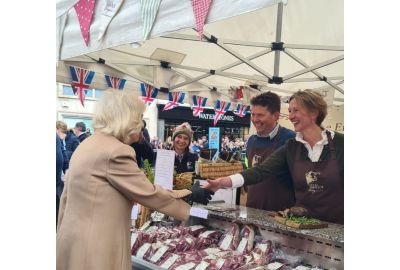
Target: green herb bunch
{"x": 148, "y": 170}
{"x": 302, "y": 220}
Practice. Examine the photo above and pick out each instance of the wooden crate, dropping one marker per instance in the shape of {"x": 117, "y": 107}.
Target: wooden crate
{"x": 215, "y": 170}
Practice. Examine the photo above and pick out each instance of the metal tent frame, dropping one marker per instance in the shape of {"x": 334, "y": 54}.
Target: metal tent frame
{"x": 260, "y": 82}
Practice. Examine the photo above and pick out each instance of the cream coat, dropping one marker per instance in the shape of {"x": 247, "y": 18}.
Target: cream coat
{"x": 102, "y": 183}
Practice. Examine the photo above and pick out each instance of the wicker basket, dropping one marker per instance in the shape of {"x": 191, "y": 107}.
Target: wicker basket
{"x": 215, "y": 170}
{"x": 143, "y": 216}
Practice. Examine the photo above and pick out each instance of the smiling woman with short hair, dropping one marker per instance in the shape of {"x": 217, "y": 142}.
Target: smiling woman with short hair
{"x": 314, "y": 159}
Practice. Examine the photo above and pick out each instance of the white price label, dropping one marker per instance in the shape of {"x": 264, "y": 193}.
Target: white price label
{"x": 198, "y": 212}
{"x": 133, "y": 239}
{"x": 242, "y": 245}
{"x": 226, "y": 242}
{"x": 158, "y": 254}
{"x": 187, "y": 266}
{"x": 135, "y": 211}
{"x": 274, "y": 266}
{"x": 169, "y": 262}
{"x": 202, "y": 266}
{"x": 142, "y": 250}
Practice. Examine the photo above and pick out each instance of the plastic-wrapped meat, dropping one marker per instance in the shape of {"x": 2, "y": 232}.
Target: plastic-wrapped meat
{"x": 248, "y": 258}
{"x": 182, "y": 230}
{"x": 277, "y": 266}
{"x": 188, "y": 259}
{"x": 281, "y": 257}
{"x": 262, "y": 252}
{"x": 207, "y": 238}
{"x": 168, "y": 261}
{"x": 153, "y": 249}
{"x": 203, "y": 265}
{"x": 144, "y": 249}
{"x": 185, "y": 243}
{"x": 163, "y": 234}
{"x": 231, "y": 262}
{"x": 210, "y": 251}
{"x": 190, "y": 256}
{"x": 149, "y": 237}
{"x": 174, "y": 233}
{"x": 247, "y": 240}
{"x": 151, "y": 229}
{"x": 195, "y": 230}
{"x": 185, "y": 266}
{"x": 161, "y": 253}
{"x": 302, "y": 267}
{"x": 230, "y": 240}
{"x": 136, "y": 241}
{"x": 263, "y": 248}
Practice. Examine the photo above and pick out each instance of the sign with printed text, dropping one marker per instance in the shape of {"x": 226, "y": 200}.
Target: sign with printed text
{"x": 213, "y": 139}
{"x": 164, "y": 171}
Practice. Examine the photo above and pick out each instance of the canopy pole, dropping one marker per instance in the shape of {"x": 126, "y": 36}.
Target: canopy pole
{"x": 278, "y": 38}
{"x": 312, "y": 68}
{"x": 301, "y": 62}
{"x": 220, "y": 44}
{"x": 220, "y": 69}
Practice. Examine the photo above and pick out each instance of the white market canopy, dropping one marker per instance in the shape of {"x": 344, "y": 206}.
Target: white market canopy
{"x": 260, "y": 44}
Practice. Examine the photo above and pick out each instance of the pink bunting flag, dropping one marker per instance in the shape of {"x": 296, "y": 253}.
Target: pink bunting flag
{"x": 84, "y": 9}
{"x": 200, "y": 9}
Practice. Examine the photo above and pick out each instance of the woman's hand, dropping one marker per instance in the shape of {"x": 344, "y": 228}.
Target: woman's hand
{"x": 222, "y": 182}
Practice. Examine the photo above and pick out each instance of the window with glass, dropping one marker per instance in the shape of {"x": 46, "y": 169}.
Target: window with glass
{"x": 67, "y": 91}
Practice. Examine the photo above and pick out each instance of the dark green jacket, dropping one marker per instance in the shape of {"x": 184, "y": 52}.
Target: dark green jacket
{"x": 280, "y": 163}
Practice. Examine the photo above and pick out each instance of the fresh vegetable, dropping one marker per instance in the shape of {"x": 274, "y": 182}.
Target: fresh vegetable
{"x": 302, "y": 220}
{"x": 148, "y": 170}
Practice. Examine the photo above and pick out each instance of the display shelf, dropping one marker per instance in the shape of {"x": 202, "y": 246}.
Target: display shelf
{"x": 246, "y": 215}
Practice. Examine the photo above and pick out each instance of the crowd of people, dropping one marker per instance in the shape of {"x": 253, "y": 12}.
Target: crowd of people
{"x": 67, "y": 141}
{"x": 196, "y": 145}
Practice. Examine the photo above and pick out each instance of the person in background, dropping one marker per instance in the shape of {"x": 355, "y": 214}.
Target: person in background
{"x": 59, "y": 169}
{"x": 101, "y": 186}
{"x": 168, "y": 144}
{"x": 70, "y": 141}
{"x": 269, "y": 195}
{"x": 155, "y": 142}
{"x": 143, "y": 150}
{"x": 184, "y": 159}
{"x": 88, "y": 132}
{"x": 314, "y": 159}
{"x": 195, "y": 147}
{"x": 61, "y": 130}
{"x": 205, "y": 142}
{"x": 80, "y": 131}
{"x": 145, "y": 132}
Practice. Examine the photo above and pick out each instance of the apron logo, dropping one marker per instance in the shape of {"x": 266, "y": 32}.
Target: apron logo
{"x": 256, "y": 159}
{"x": 312, "y": 182}
{"x": 189, "y": 165}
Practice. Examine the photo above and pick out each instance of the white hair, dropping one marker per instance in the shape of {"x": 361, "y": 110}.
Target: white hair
{"x": 119, "y": 113}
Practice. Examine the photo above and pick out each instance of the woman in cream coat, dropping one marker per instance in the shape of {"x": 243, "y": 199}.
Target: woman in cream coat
{"x": 101, "y": 186}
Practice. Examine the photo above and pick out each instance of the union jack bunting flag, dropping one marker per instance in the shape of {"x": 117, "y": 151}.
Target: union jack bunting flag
{"x": 221, "y": 107}
{"x": 199, "y": 103}
{"x": 81, "y": 80}
{"x": 241, "y": 110}
{"x": 149, "y": 93}
{"x": 239, "y": 92}
{"x": 175, "y": 99}
{"x": 115, "y": 82}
